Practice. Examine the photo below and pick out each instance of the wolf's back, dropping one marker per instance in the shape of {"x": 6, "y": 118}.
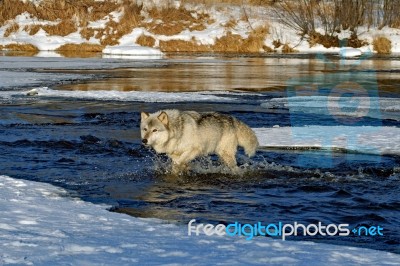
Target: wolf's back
{"x": 246, "y": 138}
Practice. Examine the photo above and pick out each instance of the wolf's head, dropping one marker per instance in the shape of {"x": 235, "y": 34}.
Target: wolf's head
{"x": 154, "y": 129}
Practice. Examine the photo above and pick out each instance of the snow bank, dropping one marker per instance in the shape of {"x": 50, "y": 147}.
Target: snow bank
{"x": 364, "y": 139}
{"x": 349, "y": 52}
{"x": 41, "y": 225}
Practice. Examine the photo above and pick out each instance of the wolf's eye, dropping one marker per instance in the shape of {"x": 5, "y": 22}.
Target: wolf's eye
{"x": 155, "y": 130}
{"x": 145, "y": 129}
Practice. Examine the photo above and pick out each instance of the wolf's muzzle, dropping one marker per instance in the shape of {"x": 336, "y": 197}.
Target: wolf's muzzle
{"x": 144, "y": 141}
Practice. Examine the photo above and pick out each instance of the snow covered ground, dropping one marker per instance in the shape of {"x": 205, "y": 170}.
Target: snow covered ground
{"x": 41, "y": 225}
{"x": 221, "y": 16}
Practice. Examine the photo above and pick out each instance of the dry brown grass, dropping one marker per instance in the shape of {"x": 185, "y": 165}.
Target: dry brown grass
{"x": 231, "y": 23}
{"x": 79, "y": 50}
{"x": 14, "y": 27}
{"x": 130, "y": 19}
{"x": 32, "y": 29}
{"x": 64, "y": 28}
{"x": 382, "y": 45}
{"x": 197, "y": 27}
{"x": 277, "y": 43}
{"x": 87, "y": 33}
{"x": 326, "y": 40}
{"x": 165, "y": 21}
{"x": 232, "y": 2}
{"x": 9, "y": 9}
{"x": 20, "y": 47}
{"x": 333, "y": 41}
{"x": 145, "y": 40}
{"x": 47, "y": 10}
{"x": 234, "y": 43}
{"x": 255, "y": 41}
{"x": 171, "y": 21}
{"x": 52, "y": 10}
{"x": 183, "y": 46}
{"x": 268, "y": 49}
{"x": 286, "y": 49}
{"x": 83, "y": 47}
{"x": 72, "y": 14}
{"x": 354, "y": 41}
{"x": 168, "y": 29}
{"x": 229, "y": 43}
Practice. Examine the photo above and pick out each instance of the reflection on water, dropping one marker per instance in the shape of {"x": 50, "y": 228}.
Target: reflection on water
{"x": 270, "y": 74}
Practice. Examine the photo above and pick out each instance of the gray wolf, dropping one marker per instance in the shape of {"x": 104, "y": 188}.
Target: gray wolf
{"x": 186, "y": 135}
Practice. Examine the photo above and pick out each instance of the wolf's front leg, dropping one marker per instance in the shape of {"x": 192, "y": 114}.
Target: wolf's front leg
{"x": 180, "y": 163}
{"x": 179, "y": 168}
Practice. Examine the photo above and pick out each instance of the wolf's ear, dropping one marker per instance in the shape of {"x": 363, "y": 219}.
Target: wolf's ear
{"x": 163, "y": 117}
{"x": 144, "y": 115}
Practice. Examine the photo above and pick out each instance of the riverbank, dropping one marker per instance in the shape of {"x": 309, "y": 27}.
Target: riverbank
{"x": 157, "y": 27}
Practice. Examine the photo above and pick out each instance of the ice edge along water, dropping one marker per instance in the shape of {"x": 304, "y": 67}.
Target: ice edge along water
{"x": 40, "y": 225}
{"x": 360, "y": 139}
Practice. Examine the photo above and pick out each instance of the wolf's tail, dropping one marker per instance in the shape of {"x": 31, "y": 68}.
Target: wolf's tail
{"x": 246, "y": 138}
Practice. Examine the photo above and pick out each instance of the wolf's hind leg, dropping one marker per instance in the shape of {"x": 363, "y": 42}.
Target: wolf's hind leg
{"x": 226, "y": 151}
{"x": 229, "y": 159}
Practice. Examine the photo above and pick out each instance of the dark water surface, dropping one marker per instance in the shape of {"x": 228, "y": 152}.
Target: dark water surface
{"x": 92, "y": 146}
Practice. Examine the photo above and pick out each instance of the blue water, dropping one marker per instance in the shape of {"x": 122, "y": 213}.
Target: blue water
{"x": 92, "y": 148}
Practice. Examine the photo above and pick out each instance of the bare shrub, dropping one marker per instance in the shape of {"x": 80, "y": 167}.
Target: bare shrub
{"x": 298, "y": 15}
{"x": 390, "y": 10}
{"x": 332, "y": 15}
